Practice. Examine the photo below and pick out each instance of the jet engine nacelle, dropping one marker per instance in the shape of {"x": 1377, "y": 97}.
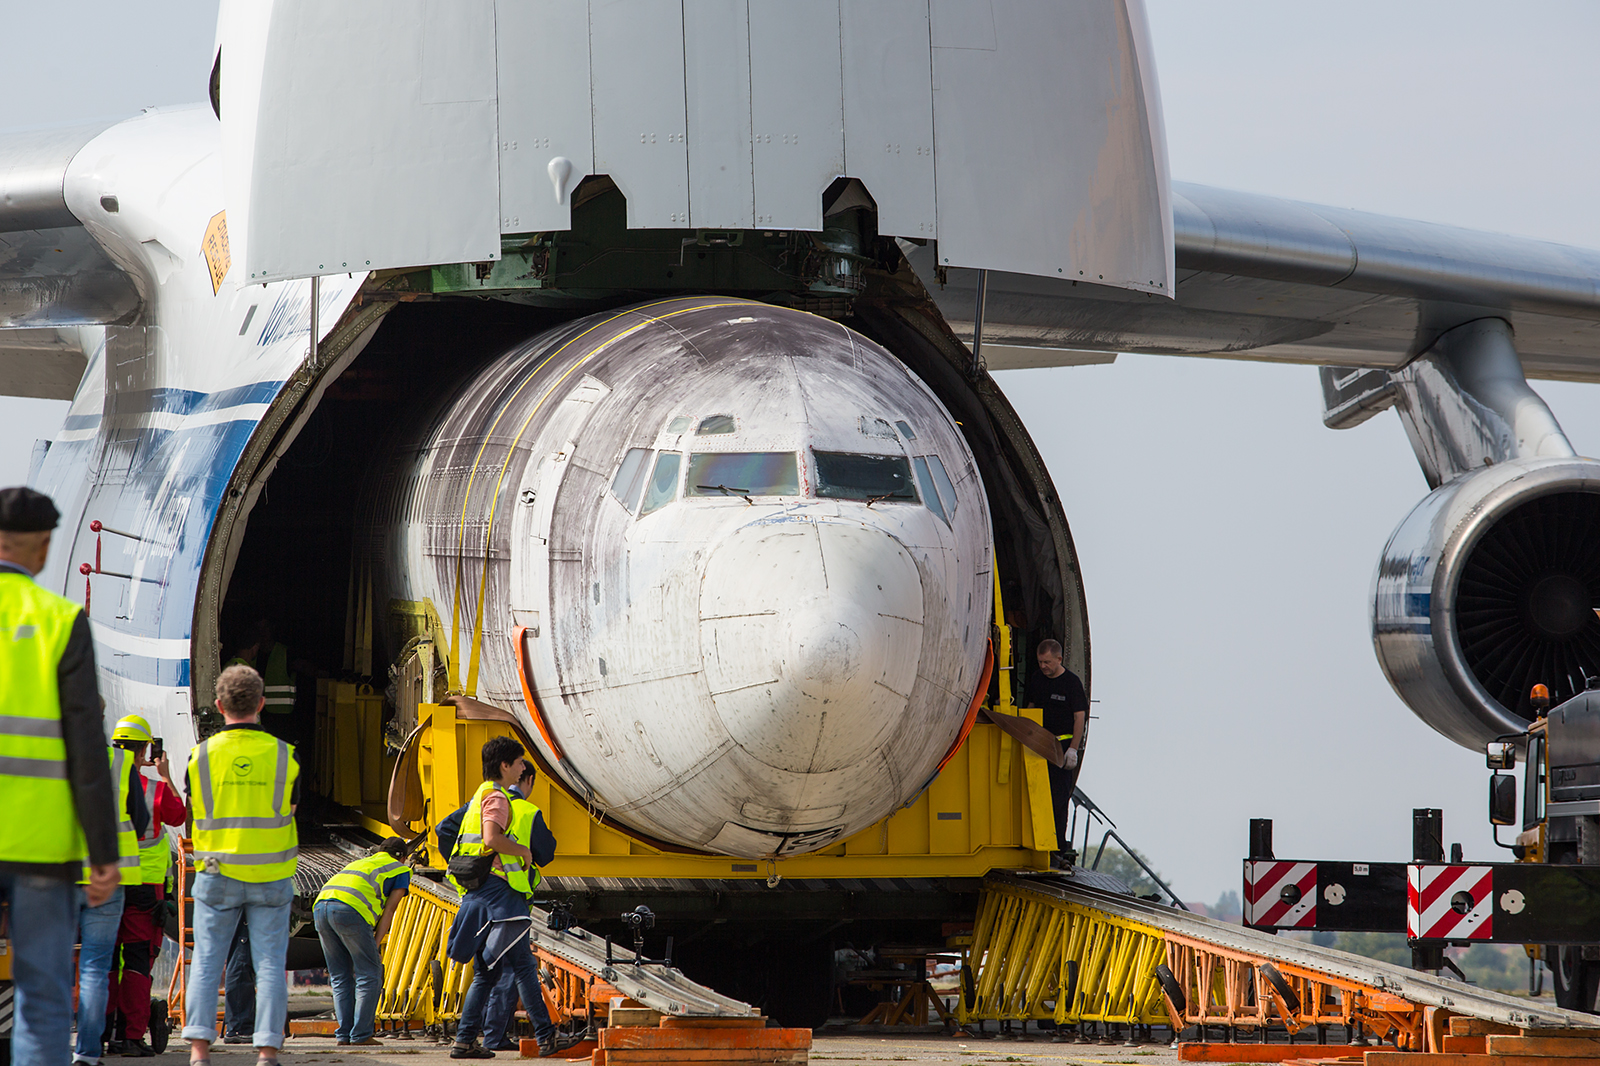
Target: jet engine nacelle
{"x": 1488, "y": 587}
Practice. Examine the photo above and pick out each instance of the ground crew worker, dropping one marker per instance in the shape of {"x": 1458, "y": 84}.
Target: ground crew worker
{"x": 1066, "y": 714}
{"x": 139, "y": 937}
{"x": 53, "y": 767}
{"x": 98, "y": 925}
{"x": 243, "y": 788}
{"x": 503, "y": 997}
{"x": 352, "y": 915}
{"x": 492, "y": 925}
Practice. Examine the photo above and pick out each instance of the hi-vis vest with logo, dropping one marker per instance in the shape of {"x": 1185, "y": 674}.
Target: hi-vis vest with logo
{"x": 360, "y": 885}
{"x": 35, "y": 626}
{"x": 470, "y": 842}
{"x": 155, "y": 854}
{"x": 241, "y": 782}
{"x": 124, "y": 774}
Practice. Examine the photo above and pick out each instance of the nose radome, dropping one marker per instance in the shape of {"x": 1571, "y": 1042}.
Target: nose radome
{"x": 810, "y": 635}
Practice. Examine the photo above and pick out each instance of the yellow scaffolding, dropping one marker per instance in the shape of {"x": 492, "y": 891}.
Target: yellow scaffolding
{"x": 1036, "y": 957}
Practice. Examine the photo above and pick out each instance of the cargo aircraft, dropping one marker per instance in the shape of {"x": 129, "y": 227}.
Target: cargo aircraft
{"x": 622, "y": 365}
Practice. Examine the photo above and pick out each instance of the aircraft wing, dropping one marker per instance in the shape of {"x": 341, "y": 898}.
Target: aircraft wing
{"x": 1260, "y": 277}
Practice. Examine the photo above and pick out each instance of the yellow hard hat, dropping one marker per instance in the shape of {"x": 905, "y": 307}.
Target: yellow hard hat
{"x": 132, "y": 727}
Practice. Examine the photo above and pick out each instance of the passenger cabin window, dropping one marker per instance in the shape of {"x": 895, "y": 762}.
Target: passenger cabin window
{"x": 743, "y": 474}
{"x": 906, "y": 431}
{"x": 715, "y": 424}
{"x": 845, "y": 476}
{"x": 663, "y": 483}
{"x": 630, "y": 477}
{"x": 946, "y": 489}
{"x": 679, "y": 424}
{"x": 930, "y": 495}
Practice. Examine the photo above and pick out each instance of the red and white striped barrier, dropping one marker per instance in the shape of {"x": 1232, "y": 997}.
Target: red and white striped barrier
{"x": 1280, "y": 894}
{"x": 1450, "y": 902}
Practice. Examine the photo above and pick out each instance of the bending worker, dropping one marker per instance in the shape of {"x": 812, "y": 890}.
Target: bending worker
{"x": 352, "y": 914}
{"x": 1066, "y": 714}
{"x": 98, "y": 925}
{"x": 243, "y": 787}
{"x": 139, "y": 937}
{"x": 55, "y": 781}
{"x": 491, "y": 929}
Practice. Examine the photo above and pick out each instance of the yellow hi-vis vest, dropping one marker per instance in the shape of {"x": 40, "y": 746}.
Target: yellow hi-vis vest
{"x": 279, "y": 682}
{"x": 42, "y": 826}
{"x": 360, "y": 885}
{"x": 523, "y": 812}
{"x": 155, "y": 854}
{"x": 123, "y": 773}
{"x": 470, "y": 842}
{"x": 241, "y": 782}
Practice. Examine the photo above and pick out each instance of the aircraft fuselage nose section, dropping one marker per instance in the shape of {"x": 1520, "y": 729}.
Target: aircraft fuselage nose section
{"x": 737, "y": 554}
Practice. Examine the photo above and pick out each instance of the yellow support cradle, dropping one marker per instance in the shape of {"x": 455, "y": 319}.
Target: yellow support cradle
{"x": 1034, "y": 957}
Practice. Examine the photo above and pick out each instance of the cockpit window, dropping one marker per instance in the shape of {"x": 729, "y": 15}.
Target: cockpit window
{"x": 930, "y": 495}
{"x": 942, "y": 479}
{"x": 679, "y": 424}
{"x": 663, "y": 483}
{"x": 715, "y": 424}
{"x": 743, "y": 474}
{"x": 906, "y": 431}
{"x": 845, "y": 476}
{"x": 630, "y": 477}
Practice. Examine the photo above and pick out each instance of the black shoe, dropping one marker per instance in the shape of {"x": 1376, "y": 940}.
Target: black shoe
{"x": 547, "y": 1046}
{"x": 137, "y": 1049}
{"x": 114, "y": 1047}
{"x": 237, "y": 1038}
{"x": 470, "y": 1051}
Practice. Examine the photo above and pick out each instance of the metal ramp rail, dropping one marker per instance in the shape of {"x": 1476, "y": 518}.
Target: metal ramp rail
{"x": 1047, "y": 947}
{"x": 584, "y": 977}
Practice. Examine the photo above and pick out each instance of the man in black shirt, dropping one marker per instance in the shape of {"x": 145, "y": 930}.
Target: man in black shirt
{"x": 1066, "y": 714}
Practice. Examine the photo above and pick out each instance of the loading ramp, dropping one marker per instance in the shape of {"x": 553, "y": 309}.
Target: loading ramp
{"x": 1049, "y": 946}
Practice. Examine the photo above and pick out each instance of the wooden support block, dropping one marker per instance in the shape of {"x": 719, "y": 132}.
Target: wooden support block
{"x": 1557, "y": 1046}
{"x": 1464, "y": 1045}
{"x": 1460, "y": 1026}
{"x": 634, "y": 1016}
{"x": 672, "y": 1021}
{"x": 1209, "y": 1052}
{"x": 720, "y": 1056}
{"x": 622, "y": 1038}
{"x": 1423, "y": 1058}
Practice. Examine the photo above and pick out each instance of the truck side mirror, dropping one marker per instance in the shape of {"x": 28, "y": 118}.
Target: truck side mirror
{"x": 1502, "y": 800}
{"x": 1501, "y": 755}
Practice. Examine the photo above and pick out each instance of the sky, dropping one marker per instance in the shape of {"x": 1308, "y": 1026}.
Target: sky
{"x": 1227, "y": 538}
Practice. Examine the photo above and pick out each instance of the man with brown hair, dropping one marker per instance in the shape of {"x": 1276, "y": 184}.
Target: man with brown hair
{"x": 243, "y": 788}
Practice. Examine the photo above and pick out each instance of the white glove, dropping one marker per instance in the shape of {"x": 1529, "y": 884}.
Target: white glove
{"x": 1072, "y": 759}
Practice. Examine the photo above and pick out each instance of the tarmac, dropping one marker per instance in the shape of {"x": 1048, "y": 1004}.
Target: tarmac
{"x": 834, "y": 1048}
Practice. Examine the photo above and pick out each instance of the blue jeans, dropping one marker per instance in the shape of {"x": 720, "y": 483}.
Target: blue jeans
{"x": 219, "y": 902}
{"x": 97, "y": 932}
{"x": 502, "y": 1001}
{"x": 44, "y": 921}
{"x": 525, "y": 972}
{"x": 355, "y": 969}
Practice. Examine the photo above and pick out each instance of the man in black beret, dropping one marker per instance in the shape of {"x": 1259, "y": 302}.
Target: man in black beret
{"x": 53, "y": 764}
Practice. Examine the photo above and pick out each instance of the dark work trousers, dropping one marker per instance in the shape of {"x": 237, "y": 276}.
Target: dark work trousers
{"x": 1062, "y": 782}
{"x": 239, "y": 982}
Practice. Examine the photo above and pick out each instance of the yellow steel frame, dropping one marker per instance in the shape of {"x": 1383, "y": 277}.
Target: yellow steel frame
{"x": 416, "y": 941}
{"x": 1028, "y": 949}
